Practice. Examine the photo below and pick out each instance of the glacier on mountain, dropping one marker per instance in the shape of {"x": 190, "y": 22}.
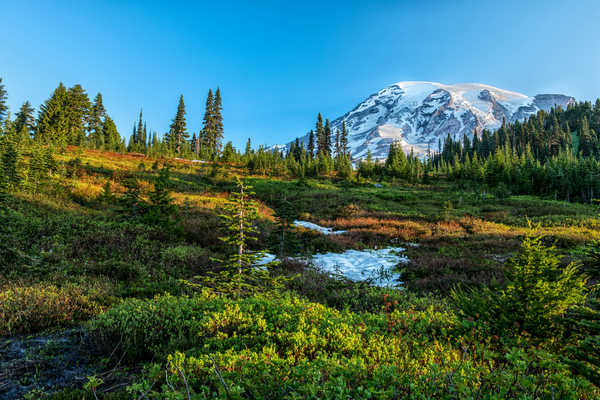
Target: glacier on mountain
{"x": 419, "y": 114}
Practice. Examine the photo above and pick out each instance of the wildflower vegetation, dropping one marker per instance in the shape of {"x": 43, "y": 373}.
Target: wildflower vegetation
{"x": 151, "y": 262}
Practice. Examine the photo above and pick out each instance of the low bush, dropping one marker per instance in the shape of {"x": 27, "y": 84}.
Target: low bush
{"x": 270, "y": 348}
{"x": 29, "y": 309}
{"x": 538, "y": 293}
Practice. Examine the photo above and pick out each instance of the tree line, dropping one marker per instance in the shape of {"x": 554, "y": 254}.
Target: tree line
{"x": 69, "y": 117}
{"x": 555, "y": 153}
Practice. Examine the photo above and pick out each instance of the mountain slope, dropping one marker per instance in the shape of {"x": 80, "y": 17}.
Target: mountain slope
{"x": 418, "y": 114}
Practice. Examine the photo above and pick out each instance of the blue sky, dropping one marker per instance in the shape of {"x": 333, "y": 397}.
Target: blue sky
{"x": 278, "y": 63}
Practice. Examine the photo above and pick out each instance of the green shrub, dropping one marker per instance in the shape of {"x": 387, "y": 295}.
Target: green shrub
{"x": 29, "y": 309}
{"x": 117, "y": 269}
{"x": 538, "y": 292}
{"x": 273, "y": 348}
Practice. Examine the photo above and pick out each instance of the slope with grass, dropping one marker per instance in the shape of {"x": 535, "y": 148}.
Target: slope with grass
{"x": 77, "y": 255}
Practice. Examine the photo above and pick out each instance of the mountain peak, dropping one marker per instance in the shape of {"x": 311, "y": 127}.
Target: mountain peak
{"x": 418, "y": 114}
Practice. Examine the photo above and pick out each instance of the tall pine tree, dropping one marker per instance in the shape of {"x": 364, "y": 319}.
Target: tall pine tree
{"x": 25, "y": 120}
{"x": 207, "y": 133}
{"x": 344, "y": 140}
{"x": 3, "y": 97}
{"x": 178, "y": 130}
{"x": 52, "y": 125}
{"x": 218, "y": 120}
{"x": 96, "y": 128}
{"x": 321, "y": 139}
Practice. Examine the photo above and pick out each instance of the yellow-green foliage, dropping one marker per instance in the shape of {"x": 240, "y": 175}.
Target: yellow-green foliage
{"x": 27, "y": 309}
{"x": 273, "y": 348}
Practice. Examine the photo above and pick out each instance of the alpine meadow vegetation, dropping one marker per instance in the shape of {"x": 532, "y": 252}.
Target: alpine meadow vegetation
{"x": 172, "y": 266}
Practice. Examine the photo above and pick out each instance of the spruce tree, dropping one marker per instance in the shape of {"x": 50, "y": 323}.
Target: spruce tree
{"x": 195, "y": 144}
{"x": 327, "y": 138}
{"x": 338, "y": 146}
{"x": 311, "y": 144}
{"x": 321, "y": 139}
{"x": 52, "y": 124}
{"x": 161, "y": 209}
{"x": 25, "y": 120}
{"x": 178, "y": 127}
{"x": 3, "y": 97}
{"x": 111, "y": 139}
{"x": 37, "y": 171}
{"x": 77, "y": 112}
{"x": 344, "y": 140}
{"x": 208, "y": 130}
{"x": 10, "y": 171}
{"x": 239, "y": 217}
{"x": 97, "y": 115}
{"x": 285, "y": 214}
{"x": 584, "y": 355}
{"x": 218, "y": 121}
{"x": 248, "y": 150}
{"x": 140, "y": 138}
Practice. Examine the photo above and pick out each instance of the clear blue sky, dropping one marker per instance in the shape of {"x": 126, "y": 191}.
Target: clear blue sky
{"x": 278, "y": 63}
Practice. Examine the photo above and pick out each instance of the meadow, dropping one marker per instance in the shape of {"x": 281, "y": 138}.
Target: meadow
{"x": 108, "y": 305}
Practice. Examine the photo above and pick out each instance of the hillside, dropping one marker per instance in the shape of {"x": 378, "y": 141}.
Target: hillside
{"x": 115, "y": 299}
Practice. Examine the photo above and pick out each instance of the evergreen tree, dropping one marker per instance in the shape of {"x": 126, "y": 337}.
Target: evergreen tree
{"x": 77, "y": 115}
{"x": 229, "y": 153}
{"x": 239, "y": 217}
{"x": 38, "y": 169}
{"x": 218, "y": 121}
{"x": 52, "y": 125}
{"x": 248, "y": 150}
{"x": 140, "y": 138}
{"x": 161, "y": 209}
{"x": 25, "y": 120}
{"x": 327, "y": 133}
{"x": 321, "y": 139}
{"x": 285, "y": 215}
{"x": 3, "y": 97}
{"x": 311, "y": 144}
{"x": 195, "y": 144}
{"x": 207, "y": 140}
{"x": 111, "y": 137}
{"x": 178, "y": 131}
{"x": 97, "y": 115}
{"x": 344, "y": 140}
{"x": 10, "y": 158}
{"x": 584, "y": 355}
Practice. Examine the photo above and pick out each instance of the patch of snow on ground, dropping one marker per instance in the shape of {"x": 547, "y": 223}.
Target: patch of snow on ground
{"x": 315, "y": 227}
{"x": 356, "y": 265}
{"x": 364, "y": 264}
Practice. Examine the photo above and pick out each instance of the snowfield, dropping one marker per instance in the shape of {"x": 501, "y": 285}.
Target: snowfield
{"x": 315, "y": 227}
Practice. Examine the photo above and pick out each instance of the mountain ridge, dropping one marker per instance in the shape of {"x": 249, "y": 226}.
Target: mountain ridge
{"x": 420, "y": 114}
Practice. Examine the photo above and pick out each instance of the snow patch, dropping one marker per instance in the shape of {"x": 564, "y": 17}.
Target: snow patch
{"x": 358, "y": 265}
{"x": 315, "y": 227}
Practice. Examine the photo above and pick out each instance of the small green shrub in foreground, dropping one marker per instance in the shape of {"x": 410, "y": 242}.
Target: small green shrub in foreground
{"x": 537, "y": 295}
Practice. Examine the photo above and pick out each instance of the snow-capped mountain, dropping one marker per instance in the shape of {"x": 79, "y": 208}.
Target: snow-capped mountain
{"x": 417, "y": 114}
